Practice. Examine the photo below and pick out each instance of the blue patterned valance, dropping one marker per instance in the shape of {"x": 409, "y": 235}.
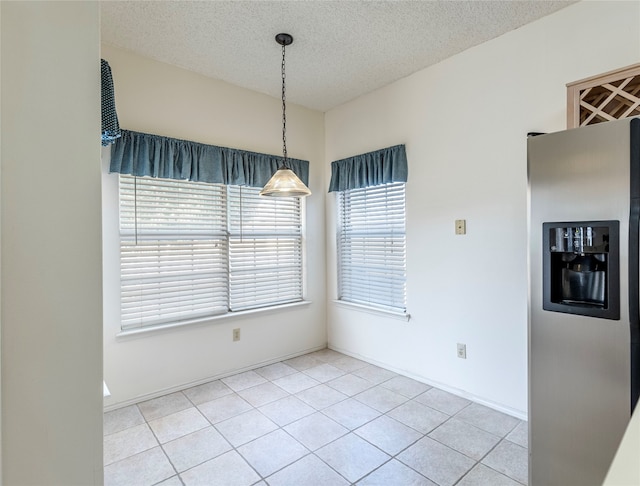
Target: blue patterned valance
{"x": 110, "y": 127}
{"x": 142, "y": 154}
{"x": 370, "y": 169}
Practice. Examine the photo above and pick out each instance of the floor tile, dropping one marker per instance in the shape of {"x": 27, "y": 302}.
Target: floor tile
{"x": 165, "y": 405}
{"x": 272, "y": 452}
{"x": 296, "y": 383}
{"x": 245, "y": 427}
{"x": 275, "y": 371}
{"x": 207, "y": 392}
{"x": 349, "y": 364}
{"x": 243, "y": 380}
{"x": 444, "y": 401}
{"x": 374, "y": 374}
{"x": 195, "y": 448}
{"x": 351, "y": 413}
{"x": 321, "y": 396}
{"x": 395, "y": 473}
{"x": 350, "y": 384}
{"x": 405, "y": 386}
{"x": 178, "y": 424}
{"x": 510, "y": 459}
{"x": 122, "y": 418}
{"x": 316, "y": 430}
{"x": 485, "y": 418}
{"x": 144, "y": 469}
{"x": 224, "y": 408}
{"x": 324, "y": 372}
{"x": 465, "y": 438}
{"x": 128, "y": 442}
{"x": 308, "y": 471}
{"x": 352, "y": 457}
{"x": 327, "y": 355}
{"x": 437, "y": 462}
{"x": 520, "y": 435}
{"x": 418, "y": 416}
{"x": 229, "y": 469}
{"x": 172, "y": 481}
{"x": 482, "y": 475}
{"x": 380, "y": 398}
{"x": 304, "y": 362}
{"x": 286, "y": 410}
{"x": 313, "y": 420}
{"x": 262, "y": 394}
{"x": 388, "y": 434}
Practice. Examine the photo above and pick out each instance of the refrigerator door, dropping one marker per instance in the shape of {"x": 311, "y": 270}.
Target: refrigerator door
{"x": 634, "y": 262}
{"x": 579, "y": 366}
{"x": 634, "y": 287}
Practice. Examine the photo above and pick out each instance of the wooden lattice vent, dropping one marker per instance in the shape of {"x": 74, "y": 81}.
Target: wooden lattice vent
{"x": 608, "y": 96}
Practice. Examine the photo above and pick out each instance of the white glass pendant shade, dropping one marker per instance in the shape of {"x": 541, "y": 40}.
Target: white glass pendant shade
{"x": 285, "y": 183}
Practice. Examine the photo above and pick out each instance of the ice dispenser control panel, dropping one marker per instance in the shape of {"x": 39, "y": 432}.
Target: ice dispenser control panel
{"x": 581, "y": 269}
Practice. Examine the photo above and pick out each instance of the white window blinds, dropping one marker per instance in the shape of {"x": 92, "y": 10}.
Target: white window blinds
{"x": 265, "y": 249}
{"x": 371, "y": 246}
{"x": 173, "y": 250}
{"x": 190, "y": 250}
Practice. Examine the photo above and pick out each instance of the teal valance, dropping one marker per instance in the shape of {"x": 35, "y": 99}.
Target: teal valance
{"x": 370, "y": 169}
{"x": 143, "y": 154}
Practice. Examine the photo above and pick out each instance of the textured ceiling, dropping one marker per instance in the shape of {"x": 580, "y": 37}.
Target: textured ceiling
{"x": 341, "y": 49}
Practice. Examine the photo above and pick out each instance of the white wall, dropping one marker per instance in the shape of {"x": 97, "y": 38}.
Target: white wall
{"x": 464, "y": 122}
{"x": 51, "y": 278}
{"x": 157, "y": 98}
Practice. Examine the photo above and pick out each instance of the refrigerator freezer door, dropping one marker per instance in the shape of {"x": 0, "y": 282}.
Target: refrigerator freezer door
{"x": 579, "y": 366}
{"x": 634, "y": 262}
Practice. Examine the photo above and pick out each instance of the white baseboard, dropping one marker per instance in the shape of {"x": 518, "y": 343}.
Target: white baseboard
{"x": 184, "y": 386}
{"x": 522, "y": 415}
{"x": 455, "y": 391}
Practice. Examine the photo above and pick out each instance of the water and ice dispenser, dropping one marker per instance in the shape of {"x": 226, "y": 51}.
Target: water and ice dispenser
{"x": 581, "y": 268}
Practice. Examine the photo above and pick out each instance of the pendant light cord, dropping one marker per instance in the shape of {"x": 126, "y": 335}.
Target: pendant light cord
{"x": 284, "y": 112}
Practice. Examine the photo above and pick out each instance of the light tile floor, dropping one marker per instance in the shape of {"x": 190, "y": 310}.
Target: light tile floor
{"x": 321, "y": 419}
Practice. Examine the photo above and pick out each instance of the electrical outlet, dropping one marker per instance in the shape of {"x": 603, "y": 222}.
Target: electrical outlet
{"x": 461, "y": 226}
{"x": 462, "y": 351}
{"x": 236, "y": 334}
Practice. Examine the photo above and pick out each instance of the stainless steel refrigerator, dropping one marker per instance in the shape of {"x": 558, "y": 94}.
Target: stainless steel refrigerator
{"x": 584, "y": 324}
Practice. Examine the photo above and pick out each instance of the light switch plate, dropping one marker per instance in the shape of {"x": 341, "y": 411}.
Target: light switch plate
{"x": 461, "y": 226}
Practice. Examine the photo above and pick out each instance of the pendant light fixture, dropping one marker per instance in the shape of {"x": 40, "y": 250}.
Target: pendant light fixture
{"x": 284, "y": 183}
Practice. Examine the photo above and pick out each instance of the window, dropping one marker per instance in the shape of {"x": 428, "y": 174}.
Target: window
{"x": 191, "y": 250}
{"x": 371, "y": 246}
{"x": 265, "y": 249}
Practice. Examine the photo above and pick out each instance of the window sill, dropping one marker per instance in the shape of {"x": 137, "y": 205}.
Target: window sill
{"x": 403, "y": 316}
{"x": 230, "y": 315}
